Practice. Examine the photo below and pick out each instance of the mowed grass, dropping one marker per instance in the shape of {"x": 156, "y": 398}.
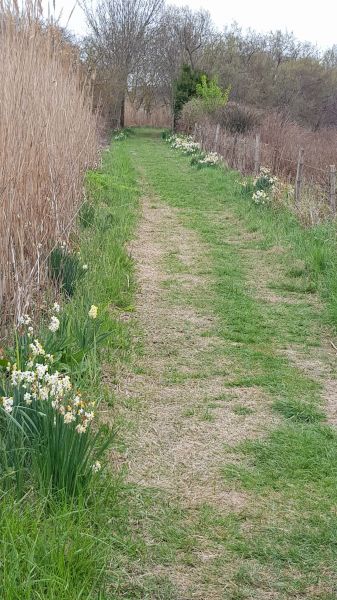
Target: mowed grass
{"x": 283, "y": 543}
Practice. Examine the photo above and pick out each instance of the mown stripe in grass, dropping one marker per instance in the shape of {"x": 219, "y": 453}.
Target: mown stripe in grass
{"x": 289, "y": 546}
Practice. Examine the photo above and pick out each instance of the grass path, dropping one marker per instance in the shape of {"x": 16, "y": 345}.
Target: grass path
{"x": 232, "y": 465}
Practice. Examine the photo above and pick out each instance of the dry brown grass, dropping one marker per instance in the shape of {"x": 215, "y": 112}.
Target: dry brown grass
{"x": 47, "y": 140}
{"x": 137, "y": 116}
{"x": 183, "y": 421}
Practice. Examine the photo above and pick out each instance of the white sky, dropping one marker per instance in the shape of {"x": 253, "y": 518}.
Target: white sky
{"x": 318, "y": 25}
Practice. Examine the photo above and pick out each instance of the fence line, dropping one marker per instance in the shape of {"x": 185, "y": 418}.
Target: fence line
{"x": 247, "y": 154}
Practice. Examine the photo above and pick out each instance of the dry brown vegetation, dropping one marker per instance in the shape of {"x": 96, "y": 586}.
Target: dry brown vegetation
{"x": 47, "y": 141}
{"x": 155, "y": 116}
{"x": 281, "y": 140}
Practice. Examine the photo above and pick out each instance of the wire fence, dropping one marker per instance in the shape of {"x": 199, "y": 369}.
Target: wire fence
{"x": 314, "y": 187}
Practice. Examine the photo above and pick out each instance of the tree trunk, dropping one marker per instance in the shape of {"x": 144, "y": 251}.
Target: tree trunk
{"x": 122, "y": 115}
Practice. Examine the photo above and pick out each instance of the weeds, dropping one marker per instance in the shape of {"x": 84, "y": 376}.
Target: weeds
{"x": 65, "y": 269}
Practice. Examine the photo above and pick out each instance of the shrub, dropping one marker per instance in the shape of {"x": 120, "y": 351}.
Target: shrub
{"x": 237, "y": 118}
{"x": 192, "y": 112}
{"x": 185, "y": 88}
{"x": 212, "y": 95}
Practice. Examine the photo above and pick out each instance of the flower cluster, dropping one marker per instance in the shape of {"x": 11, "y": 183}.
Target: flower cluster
{"x": 96, "y": 466}
{"x": 93, "y": 312}
{"x": 184, "y": 143}
{"x": 188, "y": 146}
{"x": 260, "y": 197}
{"x": 210, "y": 159}
{"x": 7, "y": 404}
{"x": 54, "y": 324}
{"x": 265, "y": 179}
{"x": 120, "y": 136}
{"x": 36, "y": 384}
{"x": 264, "y": 186}
{"x": 24, "y": 320}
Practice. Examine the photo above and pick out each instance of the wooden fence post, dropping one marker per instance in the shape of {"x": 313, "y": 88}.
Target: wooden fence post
{"x": 298, "y": 183}
{"x": 216, "y": 139}
{"x": 257, "y": 154}
{"x": 195, "y": 131}
{"x": 235, "y": 142}
{"x": 242, "y": 166}
{"x": 333, "y": 188}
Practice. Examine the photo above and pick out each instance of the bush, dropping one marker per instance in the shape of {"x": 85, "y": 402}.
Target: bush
{"x": 185, "y": 88}
{"x": 212, "y": 95}
{"x": 237, "y": 118}
{"x": 192, "y": 112}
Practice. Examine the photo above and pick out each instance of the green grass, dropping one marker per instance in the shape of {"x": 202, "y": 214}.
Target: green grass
{"x": 53, "y": 545}
{"x": 124, "y": 541}
{"x": 289, "y": 547}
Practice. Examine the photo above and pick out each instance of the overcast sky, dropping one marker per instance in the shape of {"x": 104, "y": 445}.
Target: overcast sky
{"x": 318, "y": 26}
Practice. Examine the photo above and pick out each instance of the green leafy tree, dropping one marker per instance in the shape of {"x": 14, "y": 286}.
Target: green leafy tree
{"x": 185, "y": 88}
{"x": 212, "y": 94}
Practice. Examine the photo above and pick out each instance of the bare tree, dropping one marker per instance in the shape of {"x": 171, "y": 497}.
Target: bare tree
{"x": 119, "y": 34}
{"x": 181, "y": 37}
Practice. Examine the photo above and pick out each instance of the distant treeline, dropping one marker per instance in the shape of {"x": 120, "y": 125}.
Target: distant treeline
{"x": 137, "y": 48}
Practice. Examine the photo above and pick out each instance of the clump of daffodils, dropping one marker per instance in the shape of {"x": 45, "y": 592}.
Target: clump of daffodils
{"x": 120, "y": 136}
{"x": 260, "y": 197}
{"x": 207, "y": 159}
{"x": 54, "y": 324}
{"x": 7, "y": 404}
{"x": 56, "y": 307}
{"x": 187, "y": 145}
{"x": 39, "y": 387}
{"x": 96, "y": 466}
{"x": 264, "y": 185}
{"x": 93, "y": 312}
{"x": 184, "y": 143}
{"x": 24, "y": 320}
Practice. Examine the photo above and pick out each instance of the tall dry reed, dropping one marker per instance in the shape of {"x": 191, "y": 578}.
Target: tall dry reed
{"x": 136, "y": 116}
{"x": 48, "y": 138}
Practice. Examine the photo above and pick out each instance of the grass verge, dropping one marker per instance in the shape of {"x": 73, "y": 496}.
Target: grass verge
{"x": 52, "y": 544}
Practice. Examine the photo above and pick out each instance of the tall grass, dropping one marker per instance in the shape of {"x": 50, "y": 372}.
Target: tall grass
{"x": 158, "y": 115}
{"x": 47, "y": 141}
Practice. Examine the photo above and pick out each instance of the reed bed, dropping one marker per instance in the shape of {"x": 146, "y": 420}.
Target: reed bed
{"x": 48, "y": 139}
{"x": 158, "y": 116}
